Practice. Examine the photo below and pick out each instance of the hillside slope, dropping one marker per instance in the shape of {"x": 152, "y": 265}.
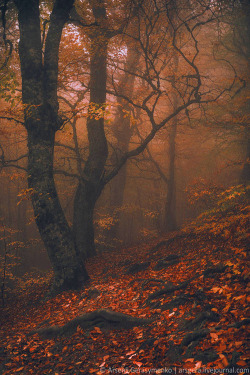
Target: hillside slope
{"x": 189, "y": 290}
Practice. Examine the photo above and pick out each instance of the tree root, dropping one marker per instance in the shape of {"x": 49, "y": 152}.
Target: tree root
{"x": 104, "y": 319}
{"x": 170, "y": 289}
{"x": 178, "y": 236}
{"x": 200, "y": 320}
{"x": 162, "y": 263}
{"x": 137, "y": 267}
{"x": 191, "y": 340}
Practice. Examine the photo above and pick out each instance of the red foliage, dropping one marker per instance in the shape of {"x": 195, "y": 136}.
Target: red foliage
{"x": 86, "y": 353}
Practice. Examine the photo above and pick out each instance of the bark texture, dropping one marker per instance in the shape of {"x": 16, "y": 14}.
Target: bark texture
{"x": 39, "y": 94}
{"x": 90, "y": 186}
{"x": 104, "y": 319}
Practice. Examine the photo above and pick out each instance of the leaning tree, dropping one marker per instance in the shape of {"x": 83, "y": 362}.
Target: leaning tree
{"x": 158, "y": 42}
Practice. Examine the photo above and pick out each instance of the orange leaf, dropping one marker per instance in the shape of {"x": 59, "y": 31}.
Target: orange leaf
{"x": 214, "y": 336}
{"x": 238, "y": 344}
{"x": 97, "y": 329}
{"x": 198, "y": 365}
{"x": 225, "y": 310}
{"x": 222, "y": 348}
{"x": 139, "y": 364}
{"x": 240, "y": 297}
{"x": 224, "y": 360}
{"x": 19, "y": 369}
{"x": 241, "y": 363}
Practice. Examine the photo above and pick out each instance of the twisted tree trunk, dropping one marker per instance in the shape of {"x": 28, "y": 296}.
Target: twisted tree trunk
{"x": 39, "y": 94}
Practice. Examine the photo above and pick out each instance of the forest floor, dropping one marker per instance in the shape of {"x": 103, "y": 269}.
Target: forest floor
{"x": 188, "y": 289}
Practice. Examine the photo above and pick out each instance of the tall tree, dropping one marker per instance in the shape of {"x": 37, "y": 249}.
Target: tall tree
{"x": 153, "y": 40}
{"x": 42, "y": 121}
{"x": 89, "y": 187}
{"x": 150, "y": 31}
{"x": 122, "y": 130}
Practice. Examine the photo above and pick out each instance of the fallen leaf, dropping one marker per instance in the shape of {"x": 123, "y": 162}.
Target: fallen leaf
{"x": 238, "y": 344}
{"x": 139, "y": 364}
{"x": 224, "y": 360}
{"x": 241, "y": 363}
{"x": 97, "y": 329}
{"x": 214, "y": 336}
{"x": 19, "y": 369}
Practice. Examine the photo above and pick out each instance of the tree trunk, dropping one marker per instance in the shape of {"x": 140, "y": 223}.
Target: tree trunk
{"x": 123, "y": 131}
{"x": 39, "y": 94}
{"x": 90, "y": 185}
{"x": 170, "y": 206}
{"x": 83, "y": 225}
{"x": 69, "y": 271}
{"x": 245, "y": 38}
{"x": 245, "y": 173}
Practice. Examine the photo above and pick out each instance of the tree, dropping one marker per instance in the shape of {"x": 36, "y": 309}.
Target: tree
{"x": 148, "y": 29}
{"x": 88, "y": 189}
{"x": 155, "y": 77}
{"x": 122, "y": 130}
{"x": 42, "y": 121}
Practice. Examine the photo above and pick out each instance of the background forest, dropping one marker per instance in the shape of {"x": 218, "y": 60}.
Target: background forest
{"x": 139, "y": 112}
{"x": 124, "y": 172}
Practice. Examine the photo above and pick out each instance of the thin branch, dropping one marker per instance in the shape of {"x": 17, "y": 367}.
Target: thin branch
{"x": 11, "y": 119}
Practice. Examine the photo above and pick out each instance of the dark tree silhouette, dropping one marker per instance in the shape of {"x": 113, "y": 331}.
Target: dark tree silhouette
{"x": 41, "y": 120}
